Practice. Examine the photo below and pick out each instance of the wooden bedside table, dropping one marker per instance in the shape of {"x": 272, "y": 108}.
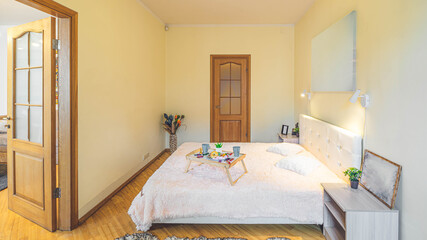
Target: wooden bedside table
{"x": 354, "y": 214}
{"x": 288, "y": 138}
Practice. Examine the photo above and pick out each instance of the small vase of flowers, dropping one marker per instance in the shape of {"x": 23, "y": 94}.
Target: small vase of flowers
{"x": 171, "y": 125}
{"x": 218, "y": 147}
{"x": 354, "y": 175}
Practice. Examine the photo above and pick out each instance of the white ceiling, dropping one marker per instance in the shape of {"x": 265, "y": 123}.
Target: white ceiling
{"x": 15, "y": 13}
{"x": 228, "y": 11}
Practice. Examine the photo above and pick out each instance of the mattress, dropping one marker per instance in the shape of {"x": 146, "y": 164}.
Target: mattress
{"x": 264, "y": 192}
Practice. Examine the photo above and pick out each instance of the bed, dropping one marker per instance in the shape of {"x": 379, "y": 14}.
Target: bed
{"x": 266, "y": 195}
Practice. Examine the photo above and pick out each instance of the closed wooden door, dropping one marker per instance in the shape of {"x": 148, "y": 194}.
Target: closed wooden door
{"x": 31, "y": 122}
{"x": 230, "y": 102}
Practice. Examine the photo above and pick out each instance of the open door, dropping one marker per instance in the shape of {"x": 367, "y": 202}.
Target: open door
{"x": 31, "y": 122}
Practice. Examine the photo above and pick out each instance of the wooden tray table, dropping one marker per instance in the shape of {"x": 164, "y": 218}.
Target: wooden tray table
{"x": 226, "y": 165}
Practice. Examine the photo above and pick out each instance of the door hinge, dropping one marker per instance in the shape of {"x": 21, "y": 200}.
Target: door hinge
{"x": 56, "y": 44}
{"x": 57, "y": 193}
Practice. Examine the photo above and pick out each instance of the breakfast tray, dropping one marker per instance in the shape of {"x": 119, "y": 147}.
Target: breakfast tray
{"x": 195, "y": 156}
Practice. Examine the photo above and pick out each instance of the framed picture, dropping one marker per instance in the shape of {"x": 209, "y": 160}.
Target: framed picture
{"x": 285, "y": 129}
{"x": 380, "y": 177}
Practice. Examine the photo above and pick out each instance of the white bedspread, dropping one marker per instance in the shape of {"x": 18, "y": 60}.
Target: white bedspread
{"x": 265, "y": 191}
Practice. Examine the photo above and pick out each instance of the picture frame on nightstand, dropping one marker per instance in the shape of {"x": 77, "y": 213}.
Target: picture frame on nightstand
{"x": 285, "y": 129}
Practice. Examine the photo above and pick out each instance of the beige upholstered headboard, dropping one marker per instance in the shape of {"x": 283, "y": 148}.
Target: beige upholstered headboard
{"x": 336, "y": 147}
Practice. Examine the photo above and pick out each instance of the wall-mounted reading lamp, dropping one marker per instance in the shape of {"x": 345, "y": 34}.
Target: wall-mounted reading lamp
{"x": 364, "y": 98}
{"x": 305, "y": 93}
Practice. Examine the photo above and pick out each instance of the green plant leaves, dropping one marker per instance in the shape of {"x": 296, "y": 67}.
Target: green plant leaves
{"x": 353, "y": 174}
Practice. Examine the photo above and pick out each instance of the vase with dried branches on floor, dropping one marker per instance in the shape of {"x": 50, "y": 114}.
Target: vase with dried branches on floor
{"x": 171, "y": 125}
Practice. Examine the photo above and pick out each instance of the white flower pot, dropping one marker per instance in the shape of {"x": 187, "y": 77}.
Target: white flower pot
{"x": 218, "y": 150}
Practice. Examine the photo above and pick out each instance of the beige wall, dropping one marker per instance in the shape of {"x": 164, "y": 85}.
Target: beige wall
{"x": 121, "y": 93}
{"x": 391, "y": 62}
{"x": 188, "y": 76}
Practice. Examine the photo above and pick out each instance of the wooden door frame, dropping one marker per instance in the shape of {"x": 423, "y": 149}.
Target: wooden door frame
{"x": 68, "y": 119}
{"x": 212, "y": 101}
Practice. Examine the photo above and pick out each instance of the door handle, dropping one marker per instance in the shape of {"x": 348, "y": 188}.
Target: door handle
{"x": 218, "y": 106}
{"x": 7, "y": 118}
{"x": 7, "y": 126}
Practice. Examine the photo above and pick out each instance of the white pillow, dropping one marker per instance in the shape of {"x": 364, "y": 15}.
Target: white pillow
{"x": 285, "y": 149}
{"x": 300, "y": 164}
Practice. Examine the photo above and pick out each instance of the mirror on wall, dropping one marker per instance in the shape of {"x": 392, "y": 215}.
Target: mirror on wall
{"x": 333, "y": 57}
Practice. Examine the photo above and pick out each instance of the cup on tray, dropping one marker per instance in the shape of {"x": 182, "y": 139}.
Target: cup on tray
{"x": 205, "y": 148}
{"x": 236, "y": 151}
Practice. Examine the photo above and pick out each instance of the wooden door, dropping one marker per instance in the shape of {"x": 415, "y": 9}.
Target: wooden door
{"x": 31, "y": 121}
{"x": 230, "y": 98}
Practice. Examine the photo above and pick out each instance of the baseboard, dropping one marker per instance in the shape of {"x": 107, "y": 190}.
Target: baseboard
{"x": 105, "y": 200}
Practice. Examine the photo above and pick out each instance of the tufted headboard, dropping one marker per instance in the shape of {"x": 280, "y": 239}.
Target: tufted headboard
{"x": 336, "y": 147}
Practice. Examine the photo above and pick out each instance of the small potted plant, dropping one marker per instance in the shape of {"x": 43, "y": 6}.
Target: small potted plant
{"x": 218, "y": 147}
{"x": 295, "y": 131}
{"x": 354, "y": 176}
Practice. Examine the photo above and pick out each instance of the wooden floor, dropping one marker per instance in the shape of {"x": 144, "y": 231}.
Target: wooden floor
{"x": 112, "y": 221}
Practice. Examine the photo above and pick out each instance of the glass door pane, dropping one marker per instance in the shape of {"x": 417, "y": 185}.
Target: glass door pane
{"x": 235, "y": 106}
{"x": 225, "y": 106}
{"x": 235, "y": 88}
{"x": 21, "y": 122}
{"x": 225, "y": 71}
{"x": 21, "y": 86}
{"x": 235, "y": 71}
{"x": 21, "y": 51}
{"x": 36, "y": 49}
{"x": 36, "y": 124}
{"x": 224, "y": 88}
{"x": 36, "y": 86}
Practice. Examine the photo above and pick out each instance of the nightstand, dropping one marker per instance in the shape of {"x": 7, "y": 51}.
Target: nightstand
{"x": 355, "y": 214}
{"x": 288, "y": 138}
